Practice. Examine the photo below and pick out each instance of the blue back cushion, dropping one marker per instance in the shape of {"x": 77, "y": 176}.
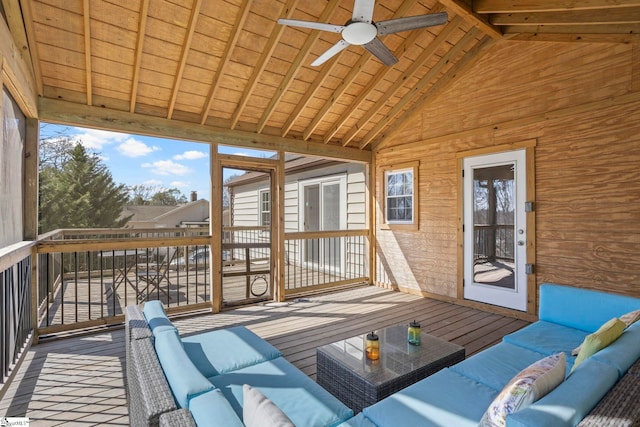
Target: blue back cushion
{"x": 225, "y": 350}
{"x": 185, "y": 380}
{"x": 156, "y": 317}
{"x": 582, "y": 308}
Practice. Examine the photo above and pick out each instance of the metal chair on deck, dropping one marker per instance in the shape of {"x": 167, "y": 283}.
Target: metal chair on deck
{"x": 154, "y": 274}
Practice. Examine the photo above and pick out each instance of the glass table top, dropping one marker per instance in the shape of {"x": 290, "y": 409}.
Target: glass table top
{"x": 397, "y": 356}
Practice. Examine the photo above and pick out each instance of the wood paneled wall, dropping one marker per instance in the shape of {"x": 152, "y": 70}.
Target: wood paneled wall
{"x": 581, "y": 103}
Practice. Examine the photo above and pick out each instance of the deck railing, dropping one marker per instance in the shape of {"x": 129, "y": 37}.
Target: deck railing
{"x": 87, "y": 277}
{"x": 317, "y": 260}
{"x": 16, "y": 323}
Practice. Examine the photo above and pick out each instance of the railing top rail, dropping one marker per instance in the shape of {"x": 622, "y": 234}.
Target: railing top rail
{"x": 66, "y": 233}
{"x": 78, "y": 245}
{"x": 15, "y": 253}
{"x": 246, "y": 228}
{"x": 325, "y": 234}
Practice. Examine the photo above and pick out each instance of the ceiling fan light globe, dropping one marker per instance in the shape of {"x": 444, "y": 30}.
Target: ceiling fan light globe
{"x": 359, "y": 33}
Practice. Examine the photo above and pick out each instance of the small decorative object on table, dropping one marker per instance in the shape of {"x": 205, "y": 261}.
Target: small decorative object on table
{"x": 372, "y": 346}
{"x": 413, "y": 333}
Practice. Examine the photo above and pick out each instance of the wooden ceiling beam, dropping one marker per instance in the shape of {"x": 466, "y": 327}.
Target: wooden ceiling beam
{"x": 324, "y": 73}
{"x": 259, "y": 68}
{"x": 576, "y": 30}
{"x": 21, "y": 27}
{"x": 509, "y": 6}
{"x": 295, "y": 66}
{"x": 463, "y": 9}
{"x": 435, "y": 44}
{"x": 34, "y": 57}
{"x": 73, "y": 114}
{"x": 417, "y": 90}
{"x": 226, "y": 56}
{"x": 186, "y": 46}
{"x": 626, "y": 15}
{"x": 452, "y": 75}
{"x": 87, "y": 50}
{"x": 353, "y": 74}
{"x": 515, "y": 33}
{"x": 142, "y": 28}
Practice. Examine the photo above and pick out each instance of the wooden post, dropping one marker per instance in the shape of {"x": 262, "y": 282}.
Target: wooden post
{"x": 30, "y": 194}
{"x": 279, "y": 186}
{"x": 371, "y": 201}
{"x": 215, "y": 224}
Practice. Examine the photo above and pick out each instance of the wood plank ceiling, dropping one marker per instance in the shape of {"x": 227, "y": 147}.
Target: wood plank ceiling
{"x": 227, "y": 64}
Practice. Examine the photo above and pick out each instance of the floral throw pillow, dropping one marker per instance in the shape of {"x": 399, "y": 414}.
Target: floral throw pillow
{"x": 529, "y": 385}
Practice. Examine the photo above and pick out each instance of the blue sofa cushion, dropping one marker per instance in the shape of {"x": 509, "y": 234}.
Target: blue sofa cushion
{"x": 297, "y": 395}
{"x": 226, "y": 350}
{"x": 548, "y": 338}
{"x": 185, "y": 380}
{"x": 156, "y": 317}
{"x": 358, "y": 421}
{"x": 211, "y": 409}
{"x": 497, "y": 365}
{"x": 623, "y": 352}
{"x": 582, "y": 308}
{"x": 444, "y": 399}
{"x": 572, "y": 400}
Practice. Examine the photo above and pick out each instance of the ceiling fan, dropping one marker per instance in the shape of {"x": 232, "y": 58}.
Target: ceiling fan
{"x": 360, "y": 30}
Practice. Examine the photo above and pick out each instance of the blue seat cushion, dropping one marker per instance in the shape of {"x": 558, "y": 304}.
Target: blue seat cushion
{"x": 623, "y": 352}
{"x": 185, "y": 380}
{"x": 156, "y": 317}
{"x": 572, "y": 400}
{"x": 358, "y": 421}
{"x": 297, "y": 395}
{"x": 548, "y": 338}
{"x": 211, "y": 409}
{"x": 226, "y": 350}
{"x": 444, "y": 399}
{"x": 497, "y": 365}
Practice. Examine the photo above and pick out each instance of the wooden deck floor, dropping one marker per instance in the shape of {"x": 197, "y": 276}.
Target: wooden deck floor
{"x": 80, "y": 380}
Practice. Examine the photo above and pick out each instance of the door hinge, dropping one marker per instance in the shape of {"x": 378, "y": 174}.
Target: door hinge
{"x": 463, "y": 228}
{"x": 463, "y": 173}
{"x": 529, "y": 269}
{"x": 529, "y": 206}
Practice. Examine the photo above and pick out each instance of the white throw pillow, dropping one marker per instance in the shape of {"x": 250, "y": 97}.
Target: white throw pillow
{"x": 258, "y": 411}
{"x": 529, "y": 385}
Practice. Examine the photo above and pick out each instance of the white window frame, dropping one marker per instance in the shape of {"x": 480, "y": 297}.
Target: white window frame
{"x": 260, "y": 207}
{"x": 412, "y": 195}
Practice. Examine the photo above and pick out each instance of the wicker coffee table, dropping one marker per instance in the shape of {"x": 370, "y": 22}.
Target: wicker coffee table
{"x": 358, "y": 382}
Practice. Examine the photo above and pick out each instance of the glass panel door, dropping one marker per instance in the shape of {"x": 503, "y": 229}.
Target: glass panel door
{"x": 495, "y": 229}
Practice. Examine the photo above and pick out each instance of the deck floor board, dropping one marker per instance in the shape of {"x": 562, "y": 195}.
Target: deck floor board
{"x": 80, "y": 380}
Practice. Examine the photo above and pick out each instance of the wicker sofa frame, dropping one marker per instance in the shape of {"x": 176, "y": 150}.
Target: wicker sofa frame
{"x": 150, "y": 400}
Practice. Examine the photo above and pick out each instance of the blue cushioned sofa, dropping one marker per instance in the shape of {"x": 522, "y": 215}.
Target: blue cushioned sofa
{"x": 458, "y": 396}
{"x": 197, "y": 380}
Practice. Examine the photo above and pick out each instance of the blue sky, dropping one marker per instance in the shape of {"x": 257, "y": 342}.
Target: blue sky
{"x": 135, "y": 159}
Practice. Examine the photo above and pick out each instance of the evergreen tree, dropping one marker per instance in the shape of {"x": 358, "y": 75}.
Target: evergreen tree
{"x": 80, "y": 193}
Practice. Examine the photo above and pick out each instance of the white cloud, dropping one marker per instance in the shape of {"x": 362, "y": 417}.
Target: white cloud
{"x": 191, "y": 155}
{"x": 167, "y": 167}
{"x": 96, "y": 139}
{"x": 153, "y": 182}
{"x": 131, "y": 147}
{"x": 180, "y": 184}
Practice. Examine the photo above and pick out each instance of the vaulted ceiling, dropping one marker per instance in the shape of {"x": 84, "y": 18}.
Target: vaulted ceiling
{"x": 226, "y": 65}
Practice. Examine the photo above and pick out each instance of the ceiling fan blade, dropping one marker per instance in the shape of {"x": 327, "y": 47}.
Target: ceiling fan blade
{"x": 363, "y": 10}
{"x": 377, "y": 48}
{"x": 313, "y": 25}
{"x": 333, "y": 50}
{"x": 398, "y": 25}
